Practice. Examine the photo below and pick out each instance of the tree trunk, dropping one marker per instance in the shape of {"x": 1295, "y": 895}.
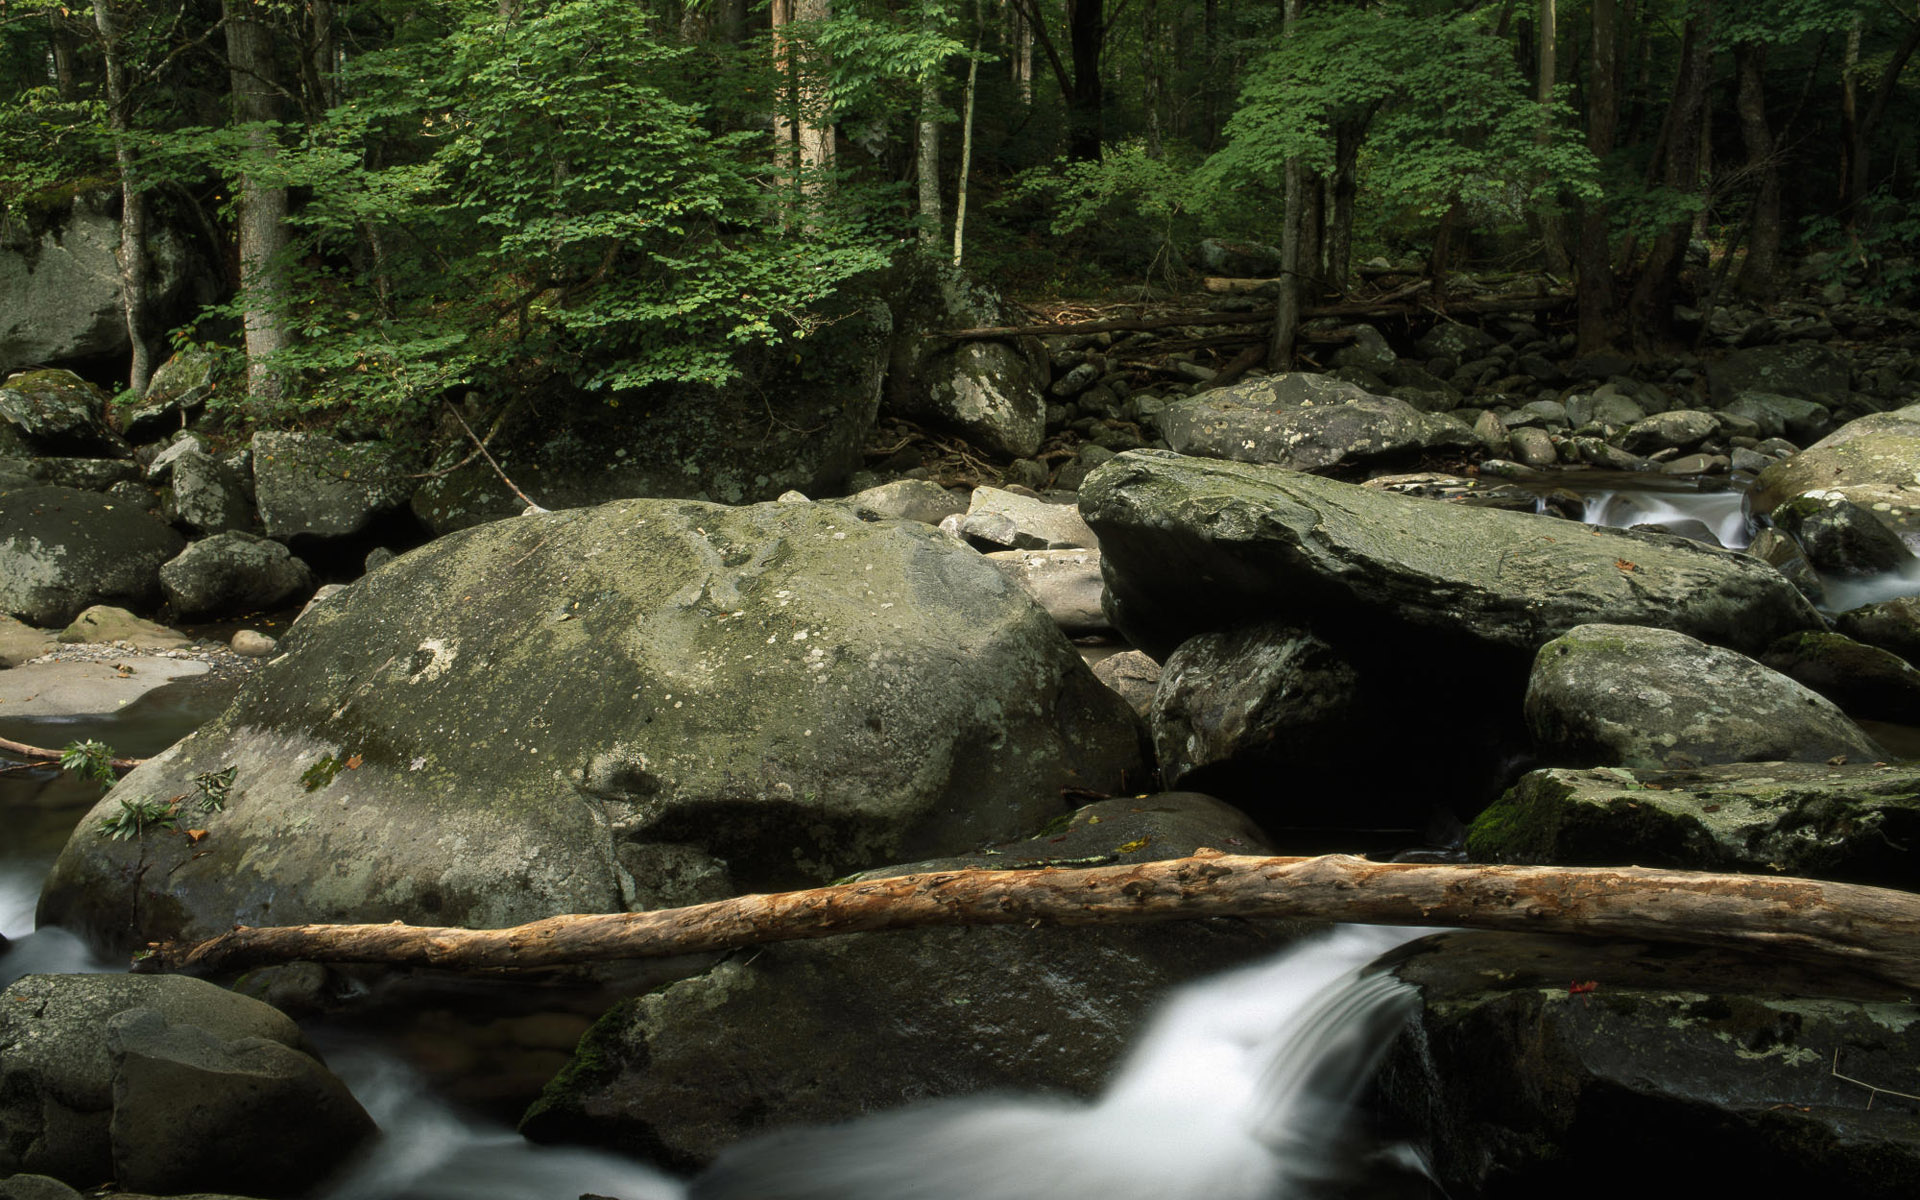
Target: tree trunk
{"x": 1551, "y": 228}
{"x": 133, "y": 202}
{"x": 263, "y": 207}
{"x": 927, "y": 161}
{"x": 815, "y": 133}
{"x": 1595, "y": 286}
{"x": 1086, "y": 33}
{"x": 966, "y": 133}
{"x": 1020, "y": 52}
{"x": 1876, "y": 930}
{"x": 1861, "y": 182}
{"x": 61, "y": 45}
{"x": 1152, "y": 85}
{"x": 1650, "y": 311}
{"x": 1763, "y": 221}
{"x": 1343, "y": 187}
{"x": 1286, "y": 314}
{"x": 1853, "y": 150}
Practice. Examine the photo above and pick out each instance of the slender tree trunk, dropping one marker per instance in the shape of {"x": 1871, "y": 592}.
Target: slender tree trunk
{"x": 813, "y": 131}
{"x": 60, "y": 43}
{"x": 1151, "y": 83}
{"x": 1286, "y": 314}
{"x": 786, "y": 156}
{"x": 1594, "y": 295}
{"x": 1867, "y": 929}
{"x": 1343, "y": 188}
{"x": 1552, "y": 229}
{"x": 1650, "y": 311}
{"x": 966, "y": 134}
{"x": 263, "y": 206}
{"x": 927, "y": 160}
{"x": 1209, "y": 78}
{"x": 1440, "y": 266}
{"x": 1853, "y": 150}
{"x": 1763, "y": 224}
{"x": 133, "y": 202}
{"x": 1861, "y": 160}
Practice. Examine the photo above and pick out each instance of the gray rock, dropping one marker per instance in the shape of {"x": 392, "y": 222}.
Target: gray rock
{"x": 160, "y": 466}
{"x": 1803, "y": 370}
{"x": 1448, "y": 339}
{"x": 194, "y": 1111}
{"x": 20, "y": 643}
{"x": 1493, "y": 434}
{"x": 1720, "y": 1068}
{"x": 1873, "y": 461}
{"x": 1868, "y": 683}
{"x": 104, "y": 623}
{"x": 1532, "y": 446}
{"x": 1841, "y": 538}
{"x": 1853, "y": 822}
{"x": 807, "y": 1032}
{"x": 539, "y": 709}
{"x": 998, "y": 519}
{"x": 82, "y": 474}
{"x": 204, "y": 496}
{"x": 60, "y": 290}
{"x": 1133, "y": 675}
{"x": 1276, "y": 544}
{"x": 1262, "y": 421}
{"x": 311, "y": 485}
{"x": 1239, "y": 710}
{"x": 1238, "y": 260}
{"x": 1064, "y": 582}
{"x": 64, "y": 550}
{"x": 1681, "y": 429}
{"x": 233, "y": 573}
{"x": 36, "y": 1187}
{"x": 1369, "y": 352}
{"x": 908, "y": 500}
{"x": 177, "y": 387}
{"x": 1622, "y": 695}
{"x": 251, "y": 643}
{"x": 57, "y": 1076}
{"x": 990, "y": 392}
{"x": 1804, "y": 421}
{"x": 1892, "y": 625}
{"x": 59, "y": 413}
{"x": 1549, "y": 415}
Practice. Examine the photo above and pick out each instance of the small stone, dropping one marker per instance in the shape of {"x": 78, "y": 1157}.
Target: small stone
{"x": 252, "y": 643}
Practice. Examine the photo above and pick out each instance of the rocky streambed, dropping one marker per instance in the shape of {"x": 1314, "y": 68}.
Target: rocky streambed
{"x": 652, "y": 702}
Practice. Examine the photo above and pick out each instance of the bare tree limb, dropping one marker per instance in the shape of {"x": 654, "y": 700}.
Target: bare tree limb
{"x": 1876, "y": 930}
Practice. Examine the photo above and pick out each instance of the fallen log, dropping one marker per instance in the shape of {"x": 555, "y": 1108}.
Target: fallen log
{"x": 42, "y": 753}
{"x": 1379, "y": 309}
{"x": 1875, "y": 930}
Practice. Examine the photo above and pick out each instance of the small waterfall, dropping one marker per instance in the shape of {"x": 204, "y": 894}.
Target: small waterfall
{"x": 37, "y": 952}
{"x": 1242, "y": 1089}
{"x": 1722, "y": 512}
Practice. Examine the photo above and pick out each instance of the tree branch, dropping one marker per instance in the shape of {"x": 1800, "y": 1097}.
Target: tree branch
{"x": 1876, "y": 930}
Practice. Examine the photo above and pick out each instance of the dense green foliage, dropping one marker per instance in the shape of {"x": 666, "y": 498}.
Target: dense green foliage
{"x": 500, "y": 196}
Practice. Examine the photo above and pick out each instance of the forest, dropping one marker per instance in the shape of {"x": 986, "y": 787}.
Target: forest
{"x": 397, "y": 198}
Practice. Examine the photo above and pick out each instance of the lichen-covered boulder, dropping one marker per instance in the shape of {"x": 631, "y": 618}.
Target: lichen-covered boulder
{"x": 639, "y": 705}
{"x": 1548, "y": 1067}
{"x": 1892, "y": 625}
{"x": 1841, "y": 538}
{"x": 1295, "y": 421}
{"x": 809, "y": 1032}
{"x": 1192, "y": 544}
{"x": 991, "y": 392}
{"x": 311, "y": 485}
{"x": 232, "y": 573}
{"x": 205, "y": 496}
{"x": 62, "y": 550}
{"x": 1872, "y": 461}
{"x": 1867, "y": 682}
{"x": 1855, "y": 822}
{"x": 57, "y": 412}
{"x": 1622, "y": 695}
{"x": 165, "y": 1083}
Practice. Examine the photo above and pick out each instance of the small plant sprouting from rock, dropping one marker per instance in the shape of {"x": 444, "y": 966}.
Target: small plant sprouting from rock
{"x": 214, "y": 786}
{"x": 139, "y": 816}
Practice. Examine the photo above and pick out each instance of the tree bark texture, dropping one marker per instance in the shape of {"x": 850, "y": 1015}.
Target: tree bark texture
{"x": 1876, "y": 930}
{"x": 263, "y": 207}
{"x": 1762, "y": 265}
{"x": 133, "y": 201}
{"x": 1595, "y": 275}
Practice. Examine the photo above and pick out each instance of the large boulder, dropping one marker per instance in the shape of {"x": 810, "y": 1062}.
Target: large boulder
{"x": 1803, "y": 370}
{"x": 1630, "y": 696}
{"x": 1866, "y": 681}
{"x": 993, "y": 393}
{"x": 1192, "y": 544}
{"x": 1873, "y": 461}
{"x": 808, "y": 1032}
{"x": 639, "y": 705}
{"x": 1855, "y": 822}
{"x": 1296, "y": 421}
{"x": 1546, "y": 1067}
{"x": 205, "y": 496}
{"x": 309, "y": 485}
{"x": 164, "y": 1083}
{"x": 796, "y": 419}
{"x": 62, "y": 550}
{"x": 233, "y": 573}
{"x": 60, "y": 289}
{"x": 57, "y": 412}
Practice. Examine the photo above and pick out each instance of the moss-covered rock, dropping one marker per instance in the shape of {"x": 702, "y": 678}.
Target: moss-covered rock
{"x": 57, "y": 412}
{"x": 1623, "y": 695}
{"x": 1873, "y": 462}
{"x": 633, "y": 706}
{"x": 1553, "y": 1067}
{"x": 1855, "y": 822}
{"x": 62, "y": 550}
{"x": 311, "y": 485}
{"x": 1193, "y": 544}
